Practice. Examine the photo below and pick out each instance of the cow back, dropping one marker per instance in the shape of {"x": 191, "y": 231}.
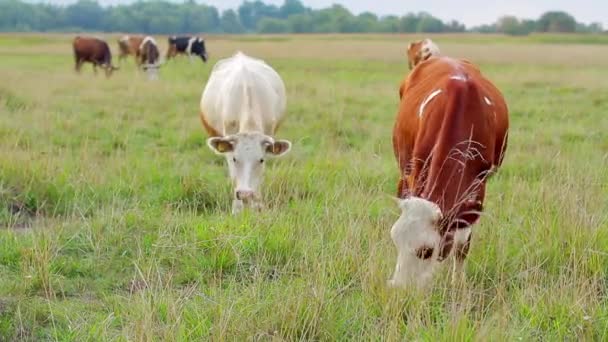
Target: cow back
{"x": 450, "y": 124}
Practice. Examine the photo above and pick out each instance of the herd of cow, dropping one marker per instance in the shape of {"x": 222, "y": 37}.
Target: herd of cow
{"x": 144, "y": 48}
{"x": 450, "y": 135}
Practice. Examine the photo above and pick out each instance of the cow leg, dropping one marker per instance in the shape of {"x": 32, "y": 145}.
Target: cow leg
{"x": 78, "y": 65}
{"x": 462, "y": 242}
{"x": 170, "y": 52}
{"x": 237, "y": 206}
{"x": 95, "y": 68}
{"x": 257, "y": 203}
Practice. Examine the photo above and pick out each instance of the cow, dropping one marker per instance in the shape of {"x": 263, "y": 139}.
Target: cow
{"x": 449, "y": 136}
{"x": 95, "y": 51}
{"x": 149, "y": 57}
{"x": 241, "y": 108}
{"x": 187, "y": 45}
{"x": 130, "y": 45}
{"x": 420, "y": 51}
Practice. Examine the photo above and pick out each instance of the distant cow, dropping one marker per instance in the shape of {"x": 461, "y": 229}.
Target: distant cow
{"x": 95, "y": 51}
{"x": 149, "y": 57}
{"x": 129, "y": 45}
{"x": 449, "y": 136}
{"x": 187, "y": 45}
{"x": 241, "y": 108}
{"x": 420, "y": 51}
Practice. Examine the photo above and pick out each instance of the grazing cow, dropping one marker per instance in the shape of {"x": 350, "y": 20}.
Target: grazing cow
{"x": 187, "y": 45}
{"x": 450, "y": 134}
{"x": 149, "y": 57}
{"x": 241, "y": 108}
{"x": 420, "y": 51}
{"x": 95, "y": 51}
{"x": 130, "y": 45}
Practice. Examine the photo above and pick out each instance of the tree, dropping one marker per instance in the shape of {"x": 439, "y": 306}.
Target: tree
{"x": 409, "y": 23}
{"x": 367, "y": 22}
{"x": 86, "y": 14}
{"x": 389, "y": 24}
{"x": 556, "y": 21}
{"x": 272, "y": 25}
{"x": 510, "y": 25}
{"x": 429, "y": 24}
{"x": 291, "y": 7}
{"x": 300, "y": 23}
{"x": 455, "y": 26}
{"x": 230, "y": 23}
{"x": 250, "y": 12}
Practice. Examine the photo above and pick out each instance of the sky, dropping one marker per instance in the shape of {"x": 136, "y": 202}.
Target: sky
{"x": 469, "y": 12}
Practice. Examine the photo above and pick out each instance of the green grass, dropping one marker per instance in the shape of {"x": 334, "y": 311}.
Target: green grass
{"x": 115, "y": 219}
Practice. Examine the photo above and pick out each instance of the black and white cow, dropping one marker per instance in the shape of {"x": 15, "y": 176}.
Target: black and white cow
{"x": 188, "y": 45}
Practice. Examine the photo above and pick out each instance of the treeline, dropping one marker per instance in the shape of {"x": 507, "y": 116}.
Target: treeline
{"x": 162, "y": 17}
{"x": 553, "y": 21}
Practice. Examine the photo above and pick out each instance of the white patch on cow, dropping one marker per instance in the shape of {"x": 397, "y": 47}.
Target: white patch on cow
{"x": 427, "y": 100}
{"x": 415, "y": 229}
{"x": 459, "y": 77}
{"x": 189, "y": 47}
{"x": 429, "y": 49}
{"x": 244, "y": 100}
{"x": 462, "y": 235}
{"x": 125, "y": 38}
{"x": 147, "y": 39}
{"x": 488, "y": 102}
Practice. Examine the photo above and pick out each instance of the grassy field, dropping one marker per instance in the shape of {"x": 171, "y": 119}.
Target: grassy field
{"x": 115, "y": 217}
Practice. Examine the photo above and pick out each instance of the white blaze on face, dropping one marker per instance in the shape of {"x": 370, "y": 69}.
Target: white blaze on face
{"x": 246, "y": 154}
{"x": 417, "y": 240}
{"x": 429, "y": 48}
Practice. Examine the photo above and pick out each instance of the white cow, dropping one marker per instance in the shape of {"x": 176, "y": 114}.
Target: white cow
{"x": 241, "y": 108}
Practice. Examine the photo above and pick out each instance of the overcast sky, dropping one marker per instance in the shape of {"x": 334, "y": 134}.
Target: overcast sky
{"x": 470, "y": 12}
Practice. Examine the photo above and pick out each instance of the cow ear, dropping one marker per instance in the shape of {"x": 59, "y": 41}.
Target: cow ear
{"x": 278, "y": 148}
{"x": 221, "y": 145}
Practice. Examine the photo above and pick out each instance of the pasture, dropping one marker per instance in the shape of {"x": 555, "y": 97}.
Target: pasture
{"x": 115, "y": 216}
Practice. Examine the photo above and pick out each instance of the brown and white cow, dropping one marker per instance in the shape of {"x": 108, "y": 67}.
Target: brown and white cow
{"x": 149, "y": 57}
{"x": 450, "y": 134}
{"x": 130, "y": 45}
{"x": 420, "y": 51}
{"x": 94, "y": 51}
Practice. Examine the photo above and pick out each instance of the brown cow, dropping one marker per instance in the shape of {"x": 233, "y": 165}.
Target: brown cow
{"x": 420, "y": 51}
{"x": 129, "y": 45}
{"x": 95, "y": 51}
{"x": 450, "y": 135}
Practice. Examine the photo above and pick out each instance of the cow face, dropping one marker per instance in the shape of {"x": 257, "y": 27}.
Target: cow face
{"x": 109, "y": 69}
{"x": 420, "y": 51}
{"x": 416, "y": 236}
{"x": 246, "y": 154}
{"x": 198, "y": 48}
{"x": 151, "y": 71}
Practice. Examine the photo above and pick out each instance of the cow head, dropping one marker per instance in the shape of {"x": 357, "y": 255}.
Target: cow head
{"x": 151, "y": 70}
{"x": 198, "y": 48}
{"x": 417, "y": 238}
{"x": 246, "y": 154}
{"x": 109, "y": 68}
{"x": 420, "y": 51}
